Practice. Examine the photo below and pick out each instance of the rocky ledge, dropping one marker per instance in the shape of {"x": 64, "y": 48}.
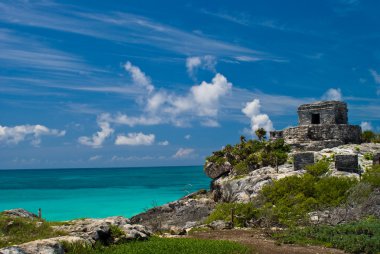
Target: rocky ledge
{"x": 86, "y": 231}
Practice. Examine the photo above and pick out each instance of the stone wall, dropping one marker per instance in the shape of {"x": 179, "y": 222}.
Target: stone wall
{"x": 376, "y": 159}
{"x": 347, "y": 162}
{"x": 330, "y": 112}
{"x": 303, "y": 159}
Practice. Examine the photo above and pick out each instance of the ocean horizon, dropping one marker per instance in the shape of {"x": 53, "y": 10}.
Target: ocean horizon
{"x": 71, "y": 193}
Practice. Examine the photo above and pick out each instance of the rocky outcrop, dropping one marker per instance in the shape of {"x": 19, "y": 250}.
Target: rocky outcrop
{"x": 45, "y": 246}
{"x": 20, "y": 213}
{"x": 213, "y": 170}
{"x": 185, "y": 213}
{"x": 99, "y": 230}
{"x": 244, "y": 189}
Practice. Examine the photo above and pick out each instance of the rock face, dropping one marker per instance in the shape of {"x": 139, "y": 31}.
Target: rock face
{"x": 244, "y": 189}
{"x": 185, "y": 213}
{"x": 20, "y": 213}
{"x": 376, "y": 159}
{"x": 214, "y": 170}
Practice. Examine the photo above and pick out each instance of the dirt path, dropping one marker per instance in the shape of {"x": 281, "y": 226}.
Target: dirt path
{"x": 261, "y": 244}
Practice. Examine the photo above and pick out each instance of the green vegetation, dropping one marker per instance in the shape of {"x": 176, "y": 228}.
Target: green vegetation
{"x": 252, "y": 154}
{"x": 20, "y": 230}
{"x": 243, "y": 212}
{"x": 368, "y": 156}
{"x": 356, "y": 237}
{"x": 370, "y": 137}
{"x": 372, "y": 176}
{"x": 162, "y": 245}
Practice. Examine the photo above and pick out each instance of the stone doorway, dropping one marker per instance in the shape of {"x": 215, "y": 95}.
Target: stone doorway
{"x": 315, "y": 119}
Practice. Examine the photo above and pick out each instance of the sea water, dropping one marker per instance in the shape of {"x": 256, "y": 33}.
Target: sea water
{"x": 65, "y": 194}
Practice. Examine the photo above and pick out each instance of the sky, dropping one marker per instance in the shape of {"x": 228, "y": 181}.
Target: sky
{"x": 158, "y": 83}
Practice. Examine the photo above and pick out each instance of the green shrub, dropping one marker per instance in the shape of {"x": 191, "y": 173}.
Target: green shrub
{"x": 289, "y": 199}
{"x": 243, "y": 212}
{"x": 372, "y": 176}
{"x": 356, "y": 237}
{"x": 318, "y": 169}
{"x": 241, "y": 168}
{"x": 368, "y": 156}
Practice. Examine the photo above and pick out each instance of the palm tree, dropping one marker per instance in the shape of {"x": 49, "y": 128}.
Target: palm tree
{"x": 242, "y": 139}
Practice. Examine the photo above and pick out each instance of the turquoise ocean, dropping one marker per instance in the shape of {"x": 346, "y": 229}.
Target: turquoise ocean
{"x": 65, "y": 194}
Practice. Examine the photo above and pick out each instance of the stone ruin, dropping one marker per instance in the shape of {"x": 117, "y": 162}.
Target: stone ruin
{"x": 376, "y": 159}
{"x": 321, "y": 125}
{"x": 301, "y": 160}
{"x": 347, "y": 162}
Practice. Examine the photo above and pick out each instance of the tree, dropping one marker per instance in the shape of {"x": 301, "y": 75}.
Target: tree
{"x": 261, "y": 133}
{"x": 242, "y": 139}
{"x": 368, "y": 136}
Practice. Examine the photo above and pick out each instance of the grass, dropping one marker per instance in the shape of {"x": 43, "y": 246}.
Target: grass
{"x": 20, "y": 230}
{"x": 356, "y": 237}
{"x": 163, "y": 246}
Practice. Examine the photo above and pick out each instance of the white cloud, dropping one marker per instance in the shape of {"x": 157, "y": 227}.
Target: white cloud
{"x": 96, "y": 141}
{"x": 95, "y": 158}
{"x": 258, "y": 120}
{"x": 204, "y": 62}
{"x": 16, "y": 134}
{"x": 163, "y": 143}
{"x": 183, "y": 153}
{"x": 366, "y": 126}
{"x": 135, "y": 139}
{"x": 376, "y": 78}
{"x": 188, "y": 136}
{"x": 139, "y": 77}
{"x": 201, "y": 101}
{"x": 333, "y": 94}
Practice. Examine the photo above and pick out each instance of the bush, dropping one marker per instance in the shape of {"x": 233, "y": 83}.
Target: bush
{"x": 318, "y": 169}
{"x": 243, "y": 212}
{"x": 372, "y": 176}
{"x": 368, "y": 156}
{"x": 356, "y": 237}
{"x": 289, "y": 199}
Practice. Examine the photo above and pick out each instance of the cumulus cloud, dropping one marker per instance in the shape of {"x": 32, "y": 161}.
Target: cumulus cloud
{"x": 183, "y": 153}
{"x": 258, "y": 120}
{"x": 188, "y": 136}
{"x": 366, "y": 126}
{"x": 200, "y": 62}
{"x": 135, "y": 139}
{"x": 160, "y": 107}
{"x": 163, "y": 143}
{"x": 138, "y": 77}
{"x": 19, "y": 133}
{"x": 96, "y": 141}
{"x": 333, "y": 94}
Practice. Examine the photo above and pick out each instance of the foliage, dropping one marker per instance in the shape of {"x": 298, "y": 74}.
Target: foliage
{"x": 157, "y": 245}
{"x": 369, "y": 136}
{"x": 261, "y": 133}
{"x": 289, "y": 199}
{"x": 20, "y": 230}
{"x": 368, "y": 156}
{"x": 243, "y": 212}
{"x": 372, "y": 176}
{"x": 249, "y": 155}
{"x": 356, "y": 237}
{"x": 318, "y": 169}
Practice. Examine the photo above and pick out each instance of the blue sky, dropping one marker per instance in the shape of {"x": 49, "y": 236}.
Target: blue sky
{"x": 151, "y": 83}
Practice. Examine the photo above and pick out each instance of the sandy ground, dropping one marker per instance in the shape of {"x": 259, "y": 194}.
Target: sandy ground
{"x": 261, "y": 244}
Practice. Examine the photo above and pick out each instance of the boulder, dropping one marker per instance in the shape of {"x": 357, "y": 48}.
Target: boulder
{"x": 94, "y": 230}
{"x": 220, "y": 224}
{"x": 20, "y": 213}
{"x": 46, "y": 246}
{"x": 214, "y": 170}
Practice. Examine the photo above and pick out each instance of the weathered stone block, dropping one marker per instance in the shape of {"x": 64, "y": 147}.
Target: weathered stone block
{"x": 324, "y": 112}
{"x": 346, "y": 162}
{"x": 303, "y": 159}
{"x": 376, "y": 159}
